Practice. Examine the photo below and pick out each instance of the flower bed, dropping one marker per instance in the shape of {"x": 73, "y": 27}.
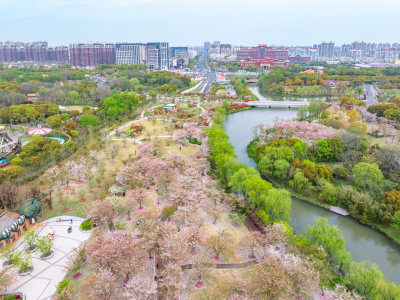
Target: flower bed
{"x": 136, "y": 130}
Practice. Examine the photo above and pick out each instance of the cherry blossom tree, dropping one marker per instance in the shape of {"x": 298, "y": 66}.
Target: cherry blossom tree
{"x": 94, "y": 157}
{"x": 145, "y": 149}
{"x": 120, "y": 252}
{"x": 141, "y": 286}
{"x": 269, "y": 281}
{"x": 137, "y": 195}
{"x": 201, "y": 271}
{"x": 172, "y": 247}
{"x": 149, "y": 229}
{"x": 75, "y": 169}
{"x": 305, "y": 131}
{"x": 179, "y": 137}
{"x": 194, "y": 238}
{"x": 249, "y": 247}
{"x": 102, "y": 285}
{"x": 53, "y": 174}
{"x": 171, "y": 282}
{"x": 102, "y": 213}
{"x": 342, "y": 293}
{"x": 220, "y": 243}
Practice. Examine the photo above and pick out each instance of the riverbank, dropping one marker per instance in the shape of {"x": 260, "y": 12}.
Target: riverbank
{"x": 385, "y": 231}
{"x": 364, "y": 243}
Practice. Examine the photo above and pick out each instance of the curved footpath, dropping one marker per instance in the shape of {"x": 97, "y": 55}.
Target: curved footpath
{"x": 42, "y": 282}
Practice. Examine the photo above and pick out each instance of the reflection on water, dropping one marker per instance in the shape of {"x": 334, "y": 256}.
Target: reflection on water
{"x": 262, "y": 97}
{"x": 363, "y": 242}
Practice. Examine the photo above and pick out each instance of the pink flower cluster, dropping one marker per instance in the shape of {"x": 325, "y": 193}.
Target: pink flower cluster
{"x": 307, "y": 132}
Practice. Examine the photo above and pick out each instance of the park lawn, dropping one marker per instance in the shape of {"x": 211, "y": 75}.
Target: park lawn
{"x": 185, "y": 151}
{"x": 75, "y": 107}
{"x": 217, "y": 285}
{"x": 152, "y": 128}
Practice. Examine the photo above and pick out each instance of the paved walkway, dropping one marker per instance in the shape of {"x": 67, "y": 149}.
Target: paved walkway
{"x": 229, "y": 266}
{"x": 41, "y": 283}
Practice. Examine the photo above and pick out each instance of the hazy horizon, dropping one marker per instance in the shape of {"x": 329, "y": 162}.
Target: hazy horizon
{"x": 179, "y": 22}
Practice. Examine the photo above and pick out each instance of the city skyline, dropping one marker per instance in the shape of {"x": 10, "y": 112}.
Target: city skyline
{"x": 190, "y": 23}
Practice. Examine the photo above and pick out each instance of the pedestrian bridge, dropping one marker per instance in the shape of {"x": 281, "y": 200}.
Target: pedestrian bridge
{"x": 270, "y": 104}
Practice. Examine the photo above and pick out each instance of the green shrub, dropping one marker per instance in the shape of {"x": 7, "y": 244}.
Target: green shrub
{"x": 168, "y": 211}
{"x": 120, "y": 225}
{"x": 86, "y": 225}
{"x": 237, "y": 219}
{"x": 194, "y": 141}
{"x": 44, "y": 245}
{"x": 74, "y": 133}
{"x": 340, "y": 172}
{"x": 62, "y": 285}
{"x": 263, "y": 217}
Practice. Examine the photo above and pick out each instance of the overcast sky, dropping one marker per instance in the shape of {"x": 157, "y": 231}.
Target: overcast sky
{"x": 191, "y": 22}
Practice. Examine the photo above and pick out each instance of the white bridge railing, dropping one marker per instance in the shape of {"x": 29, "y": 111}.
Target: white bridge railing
{"x": 275, "y": 103}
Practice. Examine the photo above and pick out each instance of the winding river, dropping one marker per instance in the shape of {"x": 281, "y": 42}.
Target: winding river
{"x": 363, "y": 242}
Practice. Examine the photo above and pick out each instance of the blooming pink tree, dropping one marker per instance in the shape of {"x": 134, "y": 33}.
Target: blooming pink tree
{"x": 141, "y": 286}
{"x": 102, "y": 285}
{"x": 137, "y": 195}
{"x": 194, "y": 238}
{"x": 75, "y": 169}
{"x": 102, "y": 213}
{"x": 307, "y": 132}
{"x": 171, "y": 282}
{"x": 121, "y": 252}
{"x": 53, "y": 174}
{"x": 145, "y": 149}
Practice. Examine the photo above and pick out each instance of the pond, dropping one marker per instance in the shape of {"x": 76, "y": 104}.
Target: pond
{"x": 363, "y": 242}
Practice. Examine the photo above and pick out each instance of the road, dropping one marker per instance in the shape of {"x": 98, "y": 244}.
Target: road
{"x": 370, "y": 94}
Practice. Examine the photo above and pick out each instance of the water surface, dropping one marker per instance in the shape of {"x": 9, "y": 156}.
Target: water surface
{"x": 363, "y": 242}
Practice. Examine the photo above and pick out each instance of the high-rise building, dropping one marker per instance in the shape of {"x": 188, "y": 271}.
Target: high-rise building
{"x": 179, "y": 57}
{"x": 130, "y": 53}
{"x": 326, "y": 49}
{"x": 225, "y": 49}
{"x": 346, "y": 50}
{"x": 158, "y": 56}
{"x": 58, "y": 54}
{"x": 396, "y": 45}
{"x": 356, "y": 54}
{"x": 387, "y": 55}
{"x": 37, "y": 52}
{"x": 179, "y": 52}
{"x": 92, "y": 54}
{"x": 207, "y": 46}
{"x": 263, "y": 51}
{"x": 214, "y": 49}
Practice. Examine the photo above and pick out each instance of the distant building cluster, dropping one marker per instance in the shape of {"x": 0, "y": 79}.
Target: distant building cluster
{"x": 266, "y": 56}
{"x": 359, "y": 51}
{"x": 160, "y": 56}
{"x": 37, "y": 52}
{"x": 157, "y": 55}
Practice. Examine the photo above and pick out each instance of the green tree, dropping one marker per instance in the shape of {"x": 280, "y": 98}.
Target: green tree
{"x": 142, "y": 98}
{"x": 281, "y": 168}
{"x": 386, "y": 291}
{"x": 277, "y": 204}
{"x": 367, "y": 176}
{"x": 44, "y": 245}
{"x": 54, "y": 121}
{"x": 396, "y": 221}
{"x": 327, "y": 236}
{"x": 89, "y": 120}
{"x": 299, "y": 181}
{"x": 75, "y": 97}
{"x": 364, "y": 277}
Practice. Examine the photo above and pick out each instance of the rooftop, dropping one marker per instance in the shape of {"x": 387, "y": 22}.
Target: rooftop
{"x": 7, "y": 219}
